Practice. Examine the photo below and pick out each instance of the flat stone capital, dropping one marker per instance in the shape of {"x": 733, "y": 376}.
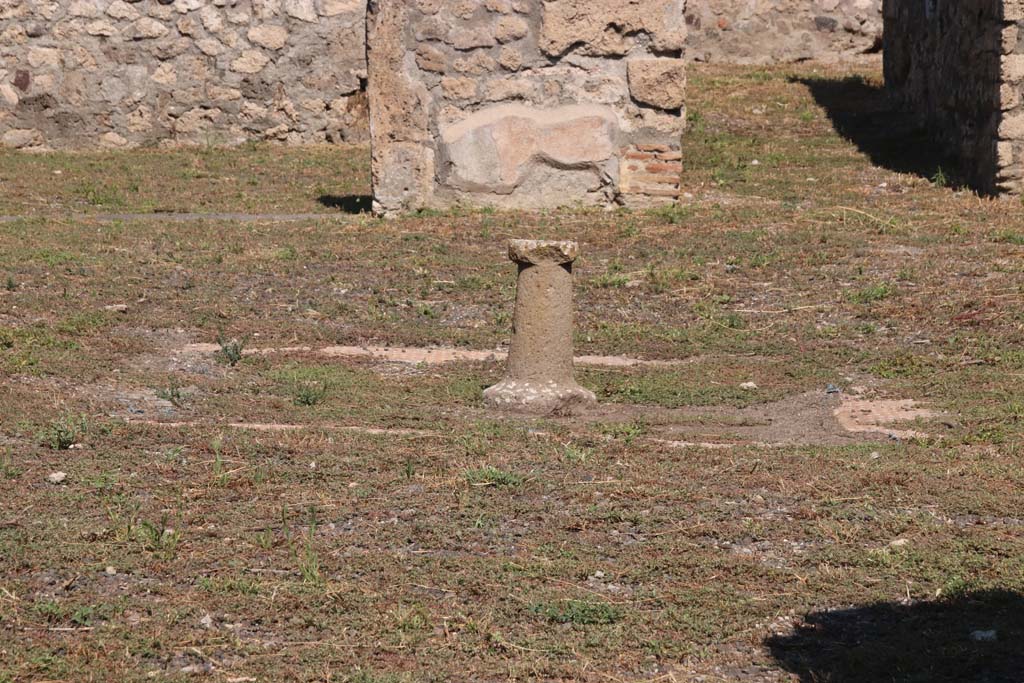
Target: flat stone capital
{"x": 539, "y": 252}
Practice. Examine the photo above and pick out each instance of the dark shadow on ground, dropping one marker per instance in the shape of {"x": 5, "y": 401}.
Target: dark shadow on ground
{"x": 892, "y": 139}
{"x": 347, "y": 203}
{"x": 973, "y": 638}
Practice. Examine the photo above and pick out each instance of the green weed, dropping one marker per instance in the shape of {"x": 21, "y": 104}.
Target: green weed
{"x": 871, "y": 294}
{"x": 579, "y": 612}
{"x": 159, "y": 538}
{"x": 231, "y": 350}
{"x": 492, "y": 476}
{"x": 63, "y": 433}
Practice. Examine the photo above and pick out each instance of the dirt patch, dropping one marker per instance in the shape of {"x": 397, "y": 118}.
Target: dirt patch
{"x": 808, "y": 418}
{"x": 418, "y": 355}
{"x": 876, "y": 415}
{"x": 281, "y": 427}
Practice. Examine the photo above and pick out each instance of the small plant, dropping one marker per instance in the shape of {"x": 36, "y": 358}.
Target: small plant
{"x": 172, "y": 395}
{"x": 239, "y": 585}
{"x": 627, "y": 432}
{"x": 580, "y": 612}
{"x": 871, "y": 294}
{"x": 265, "y": 539}
{"x": 7, "y": 468}
{"x": 939, "y": 178}
{"x": 159, "y": 538}
{"x": 1008, "y": 237}
{"x": 11, "y": 284}
{"x": 576, "y": 454}
{"x": 492, "y": 476}
{"x": 104, "y": 195}
{"x": 613, "y": 278}
{"x": 310, "y": 393}
{"x": 309, "y": 561}
{"x": 62, "y": 434}
{"x": 219, "y": 472}
{"x": 231, "y": 350}
{"x": 123, "y": 515}
{"x": 673, "y": 214}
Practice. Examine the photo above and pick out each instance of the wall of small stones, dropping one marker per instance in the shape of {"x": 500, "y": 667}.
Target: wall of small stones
{"x": 121, "y": 73}
{"x": 768, "y": 31}
{"x": 959, "y": 68}
{"x": 525, "y": 103}
{"x": 117, "y": 73}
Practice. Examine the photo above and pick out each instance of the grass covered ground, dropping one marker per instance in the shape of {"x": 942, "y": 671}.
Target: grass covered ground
{"x": 382, "y": 525}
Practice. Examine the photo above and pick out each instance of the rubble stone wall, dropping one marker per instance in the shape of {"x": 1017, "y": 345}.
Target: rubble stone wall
{"x": 769, "y": 31}
{"x": 89, "y": 73}
{"x": 525, "y": 103}
{"x": 959, "y": 67}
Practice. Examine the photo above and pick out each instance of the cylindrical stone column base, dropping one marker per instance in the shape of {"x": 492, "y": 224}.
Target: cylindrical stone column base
{"x": 540, "y": 376}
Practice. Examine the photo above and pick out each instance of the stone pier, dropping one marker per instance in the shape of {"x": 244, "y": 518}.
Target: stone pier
{"x": 540, "y": 377}
{"x": 525, "y": 104}
{"x": 958, "y": 67}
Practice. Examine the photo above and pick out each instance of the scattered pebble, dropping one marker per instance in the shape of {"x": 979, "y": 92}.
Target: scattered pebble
{"x": 116, "y": 308}
{"x": 875, "y": 455}
{"x": 984, "y": 636}
{"x": 110, "y": 571}
{"x": 748, "y": 386}
{"x": 206, "y": 621}
{"x": 57, "y": 477}
{"x": 755, "y": 162}
{"x": 833, "y": 389}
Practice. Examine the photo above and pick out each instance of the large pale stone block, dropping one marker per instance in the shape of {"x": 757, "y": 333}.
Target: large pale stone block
{"x": 496, "y": 150}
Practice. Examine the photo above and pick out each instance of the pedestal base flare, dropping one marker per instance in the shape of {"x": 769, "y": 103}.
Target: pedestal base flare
{"x": 537, "y": 397}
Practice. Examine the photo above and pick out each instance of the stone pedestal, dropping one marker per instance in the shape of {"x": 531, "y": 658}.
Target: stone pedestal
{"x": 540, "y": 375}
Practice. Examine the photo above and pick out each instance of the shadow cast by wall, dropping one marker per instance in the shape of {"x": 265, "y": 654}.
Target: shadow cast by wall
{"x": 347, "y": 203}
{"x": 974, "y": 638}
{"x": 863, "y": 114}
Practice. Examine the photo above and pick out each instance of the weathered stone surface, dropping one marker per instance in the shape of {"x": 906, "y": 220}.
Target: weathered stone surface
{"x": 609, "y": 27}
{"x": 250, "y": 62}
{"x": 658, "y": 82}
{"x": 269, "y": 36}
{"x": 145, "y": 72}
{"x": 19, "y": 138}
{"x": 496, "y": 148}
{"x": 537, "y": 252}
{"x": 402, "y": 161}
{"x": 746, "y": 32}
{"x": 539, "y": 377}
